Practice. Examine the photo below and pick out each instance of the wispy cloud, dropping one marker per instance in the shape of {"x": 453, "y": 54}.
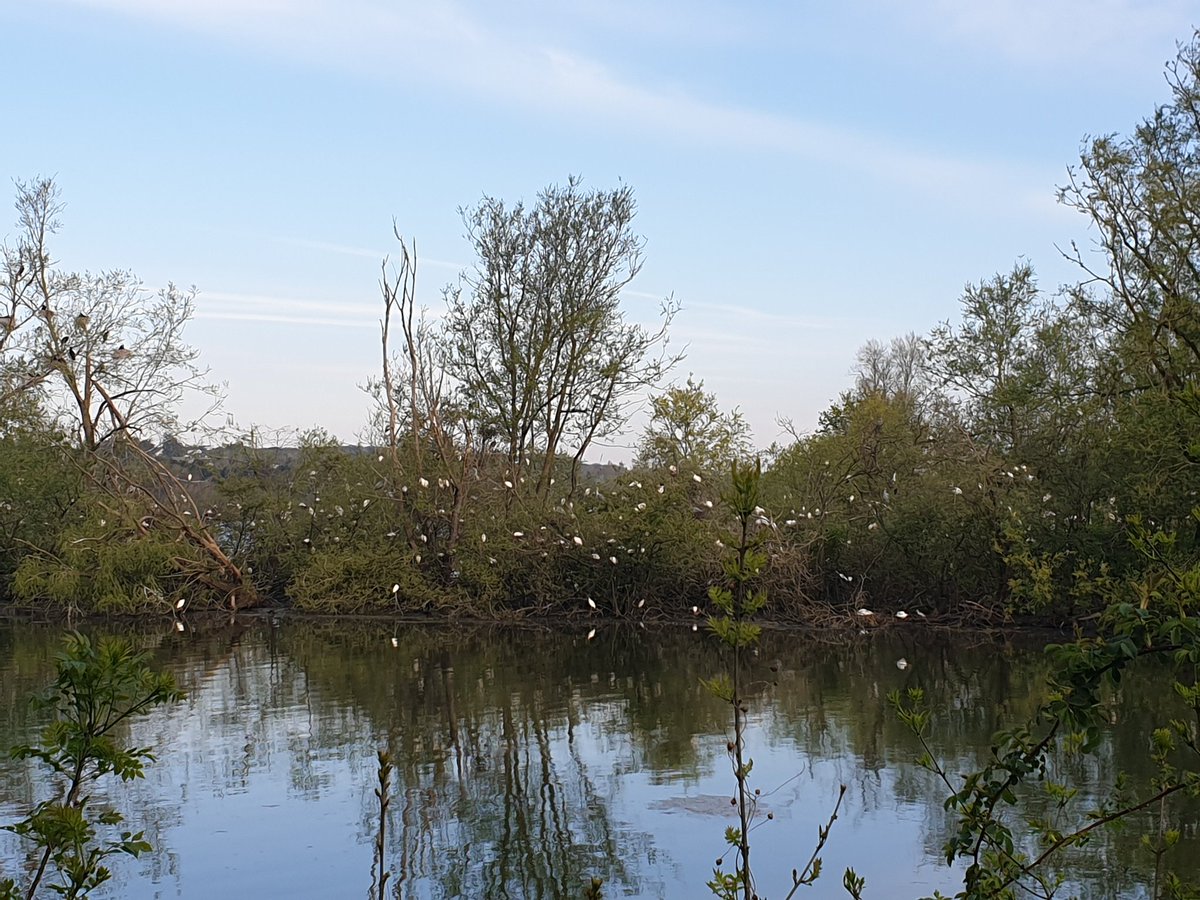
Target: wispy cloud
{"x": 703, "y": 23}
{"x": 745, "y": 312}
{"x": 235, "y": 307}
{"x": 447, "y": 45}
{"x": 208, "y": 299}
{"x": 233, "y": 316}
{"x": 239, "y": 307}
{"x": 363, "y": 252}
{"x": 1104, "y": 34}
{"x": 643, "y": 295}
{"x": 325, "y": 247}
{"x": 696, "y": 337}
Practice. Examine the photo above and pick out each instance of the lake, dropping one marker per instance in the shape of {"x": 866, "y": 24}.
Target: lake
{"x": 528, "y": 760}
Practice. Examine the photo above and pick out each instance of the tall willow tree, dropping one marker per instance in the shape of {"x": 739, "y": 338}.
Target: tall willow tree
{"x": 535, "y": 334}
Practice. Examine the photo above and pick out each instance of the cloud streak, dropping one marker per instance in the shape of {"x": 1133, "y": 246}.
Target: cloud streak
{"x": 239, "y": 307}
{"x": 363, "y": 252}
{"x": 446, "y": 45}
{"x": 278, "y": 319}
{"x": 746, "y": 312}
{"x": 1107, "y": 34}
{"x": 206, "y": 300}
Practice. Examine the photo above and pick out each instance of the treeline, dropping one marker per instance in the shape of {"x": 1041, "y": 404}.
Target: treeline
{"x": 1037, "y": 457}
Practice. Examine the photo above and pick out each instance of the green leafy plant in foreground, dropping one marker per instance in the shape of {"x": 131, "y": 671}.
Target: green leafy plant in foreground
{"x": 1012, "y": 849}
{"x": 99, "y": 687}
{"x": 737, "y": 600}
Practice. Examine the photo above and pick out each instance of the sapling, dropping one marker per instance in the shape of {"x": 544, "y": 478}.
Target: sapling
{"x": 738, "y": 600}
{"x": 383, "y": 794}
{"x": 98, "y": 688}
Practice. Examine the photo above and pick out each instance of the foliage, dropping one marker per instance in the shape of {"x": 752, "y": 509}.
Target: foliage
{"x": 344, "y": 530}
{"x": 40, "y": 486}
{"x": 101, "y": 574}
{"x": 892, "y": 509}
{"x": 1000, "y": 862}
{"x": 999, "y": 362}
{"x": 99, "y": 688}
{"x": 77, "y": 551}
{"x": 535, "y": 334}
{"x": 969, "y": 472}
{"x": 687, "y": 427}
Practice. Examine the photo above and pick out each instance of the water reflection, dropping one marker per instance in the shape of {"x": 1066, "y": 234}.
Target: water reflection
{"x": 526, "y": 761}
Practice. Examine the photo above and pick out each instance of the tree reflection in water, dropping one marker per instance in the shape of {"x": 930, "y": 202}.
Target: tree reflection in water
{"x": 527, "y": 761}
{"x": 509, "y": 750}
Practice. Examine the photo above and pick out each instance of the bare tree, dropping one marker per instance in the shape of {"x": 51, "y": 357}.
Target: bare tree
{"x": 423, "y": 425}
{"x": 398, "y": 288}
{"x": 106, "y": 359}
{"x": 104, "y": 353}
{"x": 897, "y": 370}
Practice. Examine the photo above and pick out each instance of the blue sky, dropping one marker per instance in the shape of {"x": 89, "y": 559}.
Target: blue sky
{"x": 809, "y": 176}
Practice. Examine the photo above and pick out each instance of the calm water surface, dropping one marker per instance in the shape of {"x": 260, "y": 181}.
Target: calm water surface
{"x": 527, "y": 761}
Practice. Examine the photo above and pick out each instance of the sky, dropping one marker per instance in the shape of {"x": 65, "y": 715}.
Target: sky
{"x": 809, "y": 176}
